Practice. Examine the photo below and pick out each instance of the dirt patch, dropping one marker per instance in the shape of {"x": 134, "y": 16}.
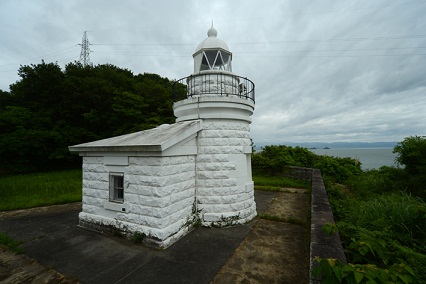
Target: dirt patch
{"x": 291, "y": 204}
{"x": 273, "y": 252}
{"x": 16, "y": 268}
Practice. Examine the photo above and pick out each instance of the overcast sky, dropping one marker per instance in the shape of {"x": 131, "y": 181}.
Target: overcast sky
{"x": 329, "y": 71}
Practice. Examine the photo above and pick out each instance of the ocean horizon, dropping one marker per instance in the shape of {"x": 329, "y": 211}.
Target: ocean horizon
{"x": 372, "y": 155}
{"x": 370, "y": 158}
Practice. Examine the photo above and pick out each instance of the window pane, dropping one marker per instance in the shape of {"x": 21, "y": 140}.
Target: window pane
{"x": 204, "y": 64}
{"x": 116, "y": 187}
{"x": 219, "y": 61}
{"x": 120, "y": 193}
{"x": 211, "y": 56}
{"x": 225, "y": 57}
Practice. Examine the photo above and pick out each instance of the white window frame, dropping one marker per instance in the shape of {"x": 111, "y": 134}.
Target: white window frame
{"x": 116, "y": 187}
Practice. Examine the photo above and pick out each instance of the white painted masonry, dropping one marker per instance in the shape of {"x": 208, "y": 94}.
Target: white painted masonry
{"x": 196, "y": 171}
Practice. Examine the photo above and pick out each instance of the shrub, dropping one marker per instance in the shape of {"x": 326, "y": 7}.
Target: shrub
{"x": 412, "y": 155}
{"x": 338, "y": 169}
{"x": 401, "y": 216}
{"x": 372, "y": 182}
{"x": 384, "y": 231}
{"x": 272, "y": 160}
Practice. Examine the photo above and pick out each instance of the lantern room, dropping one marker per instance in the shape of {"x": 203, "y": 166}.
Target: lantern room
{"x": 212, "y": 54}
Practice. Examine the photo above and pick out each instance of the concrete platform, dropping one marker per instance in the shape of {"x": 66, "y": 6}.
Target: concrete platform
{"x": 50, "y": 235}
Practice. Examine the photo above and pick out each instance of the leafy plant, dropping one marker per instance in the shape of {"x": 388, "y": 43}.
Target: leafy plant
{"x": 138, "y": 237}
{"x": 333, "y": 271}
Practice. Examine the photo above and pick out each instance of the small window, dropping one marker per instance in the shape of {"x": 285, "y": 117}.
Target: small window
{"x": 116, "y": 187}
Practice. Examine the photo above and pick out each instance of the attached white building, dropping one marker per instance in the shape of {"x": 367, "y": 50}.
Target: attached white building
{"x": 161, "y": 182}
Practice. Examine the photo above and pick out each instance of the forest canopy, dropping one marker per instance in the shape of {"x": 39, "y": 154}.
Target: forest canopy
{"x": 49, "y": 109}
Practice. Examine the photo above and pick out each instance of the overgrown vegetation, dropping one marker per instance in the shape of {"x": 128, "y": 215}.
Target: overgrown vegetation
{"x": 40, "y": 189}
{"x": 49, "y": 109}
{"x": 380, "y": 214}
{"x": 275, "y": 159}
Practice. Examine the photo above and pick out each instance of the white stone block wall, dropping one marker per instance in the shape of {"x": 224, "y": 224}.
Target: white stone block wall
{"x": 225, "y": 190}
{"x": 159, "y": 193}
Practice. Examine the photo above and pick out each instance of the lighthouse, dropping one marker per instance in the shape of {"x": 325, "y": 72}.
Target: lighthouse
{"x": 224, "y": 102}
{"x": 159, "y": 183}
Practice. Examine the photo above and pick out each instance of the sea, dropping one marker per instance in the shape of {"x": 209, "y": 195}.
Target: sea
{"x": 370, "y": 158}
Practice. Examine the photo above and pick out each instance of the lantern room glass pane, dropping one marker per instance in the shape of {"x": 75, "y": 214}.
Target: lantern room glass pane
{"x": 204, "y": 64}
{"x": 211, "y": 56}
{"x": 225, "y": 57}
{"x": 218, "y": 65}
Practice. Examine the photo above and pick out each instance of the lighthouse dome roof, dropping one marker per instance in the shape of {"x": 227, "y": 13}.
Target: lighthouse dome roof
{"x": 212, "y": 42}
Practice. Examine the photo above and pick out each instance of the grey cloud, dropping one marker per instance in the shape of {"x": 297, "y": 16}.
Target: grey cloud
{"x": 324, "y": 71}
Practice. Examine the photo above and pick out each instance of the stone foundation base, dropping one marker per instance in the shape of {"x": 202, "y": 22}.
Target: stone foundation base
{"x": 129, "y": 231}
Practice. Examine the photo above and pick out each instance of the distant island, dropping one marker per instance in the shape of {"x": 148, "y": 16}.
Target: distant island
{"x": 334, "y": 145}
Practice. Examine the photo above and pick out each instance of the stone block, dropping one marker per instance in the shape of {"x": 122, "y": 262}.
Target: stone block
{"x": 182, "y": 195}
{"x": 91, "y": 209}
{"x": 94, "y": 168}
{"x": 230, "y": 182}
{"x": 144, "y": 170}
{"x": 205, "y": 175}
{"x": 95, "y": 176}
{"x": 131, "y": 198}
{"x": 93, "y": 184}
{"x": 207, "y": 133}
{"x": 238, "y": 206}
{"x": 229, "y": 166}
{"x": 204, "y": 158}
{"x": 213, "y": 183}
{"x": 97, "y": 193}
{"x": 93, "y": 201}
{"x": 221, "y": 174}
{"x": 209, "y": 200}
{"x": 152, "y": 201}
{"x": 129, "y": 217}
{"x": 220, "y": 208}
{"x": 93, "y": 160}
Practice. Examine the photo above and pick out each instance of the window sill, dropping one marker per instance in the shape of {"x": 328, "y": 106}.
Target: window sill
{"x": 115, "y": 206}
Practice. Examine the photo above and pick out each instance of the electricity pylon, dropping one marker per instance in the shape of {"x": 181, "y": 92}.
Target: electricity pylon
{"x": 85, "y": 51}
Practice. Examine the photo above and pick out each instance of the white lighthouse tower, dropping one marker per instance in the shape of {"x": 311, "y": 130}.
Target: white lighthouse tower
{"x": 224, "y": 103}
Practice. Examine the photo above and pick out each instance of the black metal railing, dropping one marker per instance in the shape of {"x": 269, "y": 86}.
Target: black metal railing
{"x": 219, "y": 84}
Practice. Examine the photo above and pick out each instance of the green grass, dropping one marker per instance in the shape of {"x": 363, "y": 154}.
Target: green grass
{"x": 274, "y": 182}
{"x": 40, "y": 189}
{"x": 10, "y": 243}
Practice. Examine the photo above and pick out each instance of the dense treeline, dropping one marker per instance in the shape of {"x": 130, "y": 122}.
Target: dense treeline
{"x": 49, "y": 109}
{"x": 380, "y": 214}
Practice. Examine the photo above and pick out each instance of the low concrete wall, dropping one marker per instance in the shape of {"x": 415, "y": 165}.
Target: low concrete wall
{"x": 322, "y": 244}
{"x": 299, "y": 173}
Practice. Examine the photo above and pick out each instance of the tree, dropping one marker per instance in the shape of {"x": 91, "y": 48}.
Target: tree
{"x": 50, "y": 109}
{"x": 411, "y": 153}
